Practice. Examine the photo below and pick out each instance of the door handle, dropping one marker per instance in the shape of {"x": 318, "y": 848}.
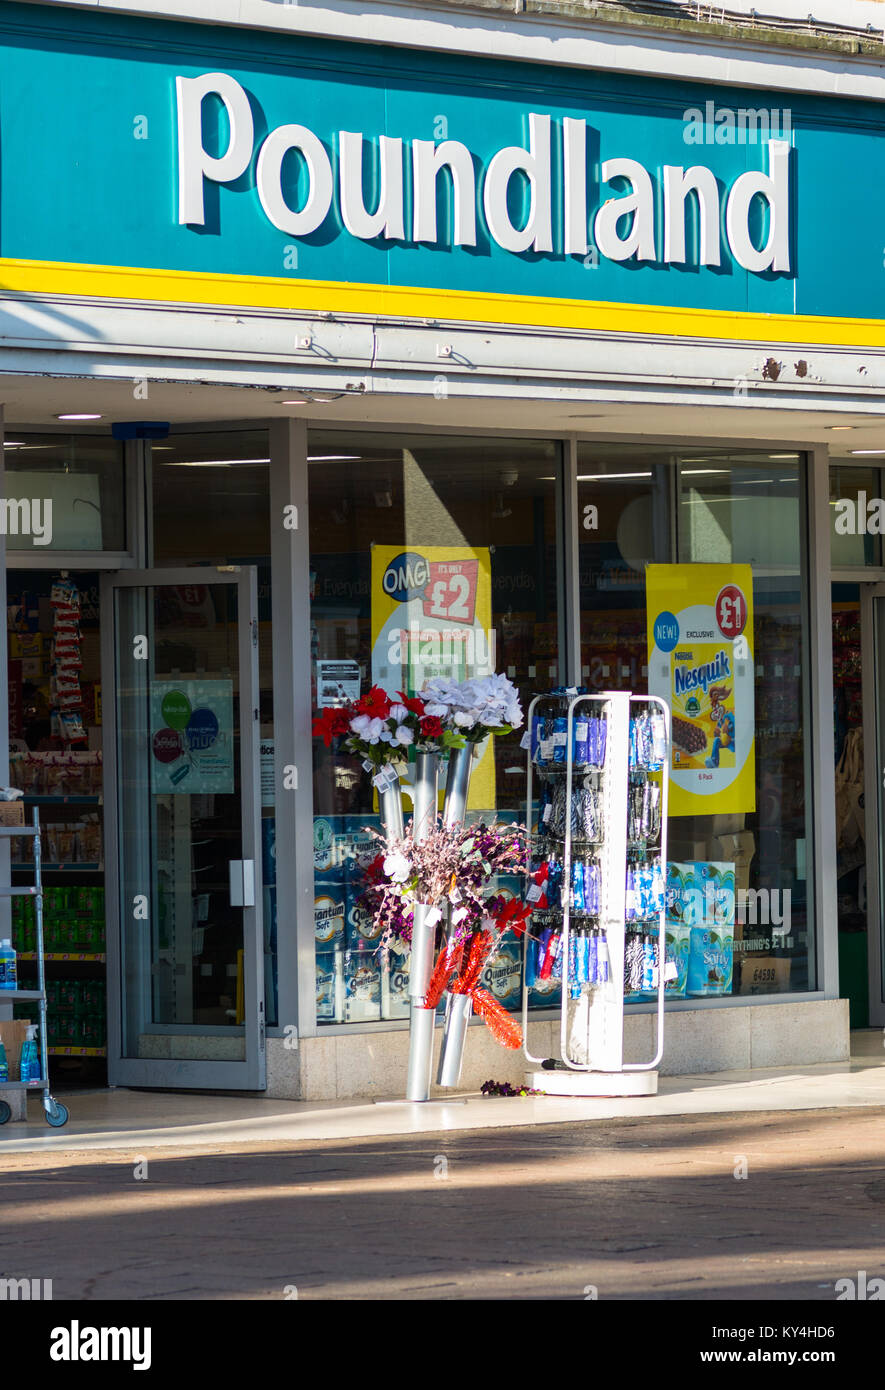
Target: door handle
{"x": 242, "y": 882}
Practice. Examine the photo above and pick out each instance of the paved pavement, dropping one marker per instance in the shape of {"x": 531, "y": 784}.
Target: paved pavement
{"x": 123, "y": 1118}
{"x": 764, "y": 1205}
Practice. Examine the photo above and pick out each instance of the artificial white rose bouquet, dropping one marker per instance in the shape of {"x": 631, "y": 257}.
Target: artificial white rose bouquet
{"x": 473, "y": 709}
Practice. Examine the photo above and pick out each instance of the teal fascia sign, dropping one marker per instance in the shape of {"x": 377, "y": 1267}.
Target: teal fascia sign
{"x": 131, "y": 142}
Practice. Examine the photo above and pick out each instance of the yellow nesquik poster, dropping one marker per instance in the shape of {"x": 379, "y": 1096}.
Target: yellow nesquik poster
{"x": 700, "y": 660}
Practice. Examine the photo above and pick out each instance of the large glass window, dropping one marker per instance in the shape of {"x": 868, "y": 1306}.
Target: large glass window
{"x": 69, "y": 492}
{"x": 643, "y": 504}
{"x": 857, "y": 516}
{"x": 482, "y": 514}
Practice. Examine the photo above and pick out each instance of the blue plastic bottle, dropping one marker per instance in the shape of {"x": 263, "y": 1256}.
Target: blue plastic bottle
{"x": 7, "y": 965}
{"x": 4, "y": 1066}
{"x": 30, "y": 1059}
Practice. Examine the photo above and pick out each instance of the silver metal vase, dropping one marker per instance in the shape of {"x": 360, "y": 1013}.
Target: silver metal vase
{"x": 458, "y": 1006}
{"x": 424, "y": 920}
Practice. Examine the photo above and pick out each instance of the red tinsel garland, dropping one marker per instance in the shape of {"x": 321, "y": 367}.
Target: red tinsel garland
{"x": 480, "y": 948}
{"x": 449, "y": 961}
{"x": 502, "y": 1026}
{"x": 504, "y": 1029}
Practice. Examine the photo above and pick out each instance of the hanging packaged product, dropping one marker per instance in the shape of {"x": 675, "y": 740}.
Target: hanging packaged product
{"x": 585, "y": 810}
{"x": 634, "y": 961}
{"x": 64, "y": 596}
{"x": 66, "y": 721}
{"x": 644, "y": 811}
{"x": 72, "y": 727}
{"x": 645, "y": 895}
{"x": 648, "y": 740}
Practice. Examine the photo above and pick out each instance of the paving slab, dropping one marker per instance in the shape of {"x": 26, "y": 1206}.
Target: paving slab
{"x": 118, "y": 1118}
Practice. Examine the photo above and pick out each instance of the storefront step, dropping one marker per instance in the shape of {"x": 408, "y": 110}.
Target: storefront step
{"x": 349, "y": 1066}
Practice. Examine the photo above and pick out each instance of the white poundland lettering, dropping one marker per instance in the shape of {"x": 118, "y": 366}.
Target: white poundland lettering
{"x": 625, "y": 224}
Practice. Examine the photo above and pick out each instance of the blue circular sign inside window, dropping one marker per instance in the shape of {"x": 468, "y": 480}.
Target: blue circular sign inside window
{"x": 202, "y": 730}
{"x": 406, "y": 577}
{"x": 666, "y": 630}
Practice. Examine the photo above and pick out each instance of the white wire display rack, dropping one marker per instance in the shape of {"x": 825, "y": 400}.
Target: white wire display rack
{"x": 589, "y": 814}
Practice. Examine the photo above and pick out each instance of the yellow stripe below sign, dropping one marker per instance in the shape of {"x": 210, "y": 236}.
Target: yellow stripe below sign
{"x": 404, "y": 302}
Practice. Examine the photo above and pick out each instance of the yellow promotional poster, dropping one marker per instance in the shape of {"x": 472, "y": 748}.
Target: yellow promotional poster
{"x": 700, "y": 660}
{"x": 432, "y": 616}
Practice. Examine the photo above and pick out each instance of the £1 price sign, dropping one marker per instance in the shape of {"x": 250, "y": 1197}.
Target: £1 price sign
{"x": 451, "y": 591}
{"x": 731, "y": 611}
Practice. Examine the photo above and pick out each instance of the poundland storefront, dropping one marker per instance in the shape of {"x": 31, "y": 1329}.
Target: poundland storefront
{"x": 317, "y": 351}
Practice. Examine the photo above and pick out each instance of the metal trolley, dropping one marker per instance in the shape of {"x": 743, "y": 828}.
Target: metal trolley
{"x": 56, "y": 1113}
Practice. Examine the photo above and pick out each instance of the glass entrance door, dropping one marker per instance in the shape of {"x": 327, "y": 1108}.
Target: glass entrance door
{"x": 185, "y": 945}
{"x": 873, "y": 647}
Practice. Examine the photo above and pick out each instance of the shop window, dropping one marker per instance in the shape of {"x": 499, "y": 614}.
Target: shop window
{"x": 378, "y": 501}
{"x": 649, "y": 505}
{"x": 69, "y": 493}
{"x": 857, "y": 516}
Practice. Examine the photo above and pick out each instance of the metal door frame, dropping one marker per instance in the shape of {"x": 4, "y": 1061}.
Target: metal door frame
{"x": 872, "y": 669}
{"x": 170, "y": 1073}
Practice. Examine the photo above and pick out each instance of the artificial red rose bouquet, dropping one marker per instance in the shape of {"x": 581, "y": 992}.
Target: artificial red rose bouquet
{"x": 381, "y": 730}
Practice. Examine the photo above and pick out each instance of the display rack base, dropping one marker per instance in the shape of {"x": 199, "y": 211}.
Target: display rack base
{"x": 593, "y": 1083}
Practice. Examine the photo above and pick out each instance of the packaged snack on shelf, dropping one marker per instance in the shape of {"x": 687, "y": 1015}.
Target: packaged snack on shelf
{"x": 27, "y": 645}
{"x": 88, "y": 840}
{"x": 64, "y": 842}
{"x": 58, "y": 776}
{"x": 33, "y": 775}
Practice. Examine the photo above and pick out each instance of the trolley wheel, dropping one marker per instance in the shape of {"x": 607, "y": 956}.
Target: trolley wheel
{"x": 57, "y": 1114}
{"x": 5, "y": 1112}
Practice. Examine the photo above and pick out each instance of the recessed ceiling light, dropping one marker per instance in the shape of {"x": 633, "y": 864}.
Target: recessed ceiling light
{"x": 841, "y": 427}
{"x": 696, "y": 472}
{"x": 332, "y": 458}
{"x": 78, "y": 416}
{"x": 12, "y": 443}
{"x": 208, "y": 463}
{"x": 295, "y": 402}
{"x": 607, "y": 477}
{"x": 874, "y": 452}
